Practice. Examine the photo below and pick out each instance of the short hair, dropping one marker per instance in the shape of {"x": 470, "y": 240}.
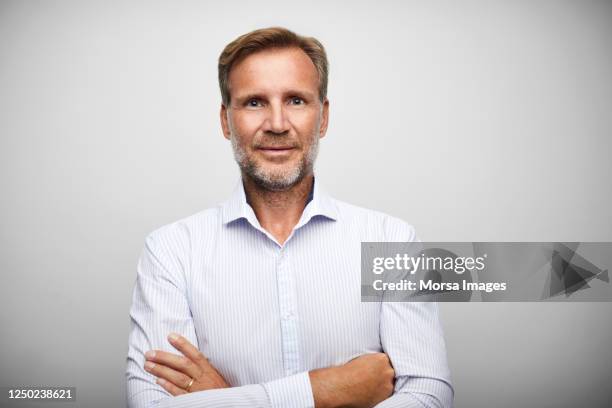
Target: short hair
{"x": 269, "y": 38}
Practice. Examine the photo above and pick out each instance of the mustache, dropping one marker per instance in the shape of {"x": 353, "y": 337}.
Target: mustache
{"x": 276, "y": 142}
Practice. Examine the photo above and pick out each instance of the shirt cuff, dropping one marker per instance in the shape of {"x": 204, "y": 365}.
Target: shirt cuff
{"x": 294, "y": 391}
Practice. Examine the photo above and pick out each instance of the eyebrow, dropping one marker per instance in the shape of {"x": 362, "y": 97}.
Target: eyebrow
{"x": 257, "y": 95}
{"x": 249, "y": 96}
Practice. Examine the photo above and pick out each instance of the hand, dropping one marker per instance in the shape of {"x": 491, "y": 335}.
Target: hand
{"x": 362, "y": 382}
{"x": 175, "y": 373}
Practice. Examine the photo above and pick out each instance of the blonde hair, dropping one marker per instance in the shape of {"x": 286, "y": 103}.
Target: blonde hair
{"x": 267, "y": 38}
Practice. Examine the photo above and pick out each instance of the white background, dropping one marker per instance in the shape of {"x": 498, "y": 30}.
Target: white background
{"x": 479, "y": 121}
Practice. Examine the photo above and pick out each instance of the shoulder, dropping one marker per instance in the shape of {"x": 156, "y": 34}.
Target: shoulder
{"x": 171, "y": 245}
{"x": 379, "y": 224}
{"x": 182, "y": 231}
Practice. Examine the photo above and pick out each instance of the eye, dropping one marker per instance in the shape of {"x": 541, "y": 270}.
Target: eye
{"x": 253, "y": 103}
{"x": 296, "y": 100}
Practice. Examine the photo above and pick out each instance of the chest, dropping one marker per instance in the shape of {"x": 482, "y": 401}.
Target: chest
{"x": 249, "y": 309}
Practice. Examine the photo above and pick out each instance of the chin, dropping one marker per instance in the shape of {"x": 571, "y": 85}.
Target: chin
{"x": 275, "y": 180}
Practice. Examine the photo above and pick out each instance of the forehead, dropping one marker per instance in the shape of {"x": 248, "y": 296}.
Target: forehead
{"x": 274, "y": 70}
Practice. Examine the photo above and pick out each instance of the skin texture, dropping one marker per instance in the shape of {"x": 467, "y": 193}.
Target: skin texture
{"x": 175, "y": 372}
{"x": 362, "y": 382}
{"x": 274, "y": 122}
{"x": 275, "y": 105}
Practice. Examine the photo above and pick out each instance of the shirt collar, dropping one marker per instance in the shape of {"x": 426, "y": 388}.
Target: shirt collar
{"x": 319, "y": 204}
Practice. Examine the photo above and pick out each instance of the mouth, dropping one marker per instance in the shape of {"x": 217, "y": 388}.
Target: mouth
{"x": 276, "y": 150}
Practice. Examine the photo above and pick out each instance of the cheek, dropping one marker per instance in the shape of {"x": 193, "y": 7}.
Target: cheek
{"x": 246, "y": 124}
{"x": 306, "y": 122}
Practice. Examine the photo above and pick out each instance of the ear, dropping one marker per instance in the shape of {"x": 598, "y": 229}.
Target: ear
{"x": 224, "y": 121}
{"x": 324, "y": 118}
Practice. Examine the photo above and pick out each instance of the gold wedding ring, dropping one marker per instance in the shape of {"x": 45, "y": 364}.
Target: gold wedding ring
{"x": 189, "y": 385}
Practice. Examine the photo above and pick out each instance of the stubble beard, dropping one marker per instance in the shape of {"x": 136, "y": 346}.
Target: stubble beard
{"x": 275, "y": 179}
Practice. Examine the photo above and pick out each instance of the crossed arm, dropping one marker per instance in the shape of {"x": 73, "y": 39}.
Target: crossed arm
{"x": 416, "y": 353}
{"x": 365, "y": 381}
{"x": 362, "y": 382}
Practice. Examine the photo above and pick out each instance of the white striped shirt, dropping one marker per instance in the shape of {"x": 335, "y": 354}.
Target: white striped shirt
{"x": 265, "y": 314}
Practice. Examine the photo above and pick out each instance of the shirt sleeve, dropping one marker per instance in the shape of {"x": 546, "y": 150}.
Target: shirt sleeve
{"x": 159, "y": 307}
{"x": 411, "y": 335}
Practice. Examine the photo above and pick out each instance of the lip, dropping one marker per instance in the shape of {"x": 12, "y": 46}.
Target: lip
{"x": 276, "y": 150}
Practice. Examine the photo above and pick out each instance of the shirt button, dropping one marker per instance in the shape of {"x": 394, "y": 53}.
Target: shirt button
{"x": 288, "y": 315}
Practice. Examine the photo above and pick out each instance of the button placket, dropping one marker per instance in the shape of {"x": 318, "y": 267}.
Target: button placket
{"x": 288, "y": 316}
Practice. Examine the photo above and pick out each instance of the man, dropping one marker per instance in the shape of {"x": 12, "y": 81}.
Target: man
{"x": 261, "y": 295}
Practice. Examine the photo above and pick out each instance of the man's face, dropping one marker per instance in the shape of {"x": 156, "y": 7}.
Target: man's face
{"x": 275, "y": 117}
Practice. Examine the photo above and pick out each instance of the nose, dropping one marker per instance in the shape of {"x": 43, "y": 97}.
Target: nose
{"x": 276, "y": 120}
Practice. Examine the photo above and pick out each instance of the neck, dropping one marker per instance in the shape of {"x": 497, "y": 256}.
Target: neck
{"x": 278, "y": 211}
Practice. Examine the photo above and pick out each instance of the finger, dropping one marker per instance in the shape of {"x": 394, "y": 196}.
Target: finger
{"x": 179, "y": 363}
{"x": 189, "y": 350}
{"x": 171, "y": 388}
{"x": 175, "y": 377}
